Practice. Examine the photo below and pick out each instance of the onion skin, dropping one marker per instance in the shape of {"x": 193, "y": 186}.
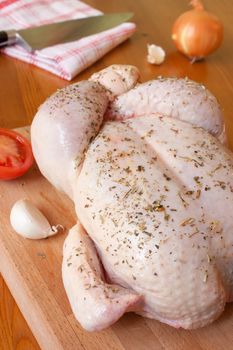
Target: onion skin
{"x": 197, "y": 33}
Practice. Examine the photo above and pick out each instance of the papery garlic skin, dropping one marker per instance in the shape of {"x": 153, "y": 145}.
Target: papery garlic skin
{"x": 156, "y": 54}
{"x": 28, "y": 221}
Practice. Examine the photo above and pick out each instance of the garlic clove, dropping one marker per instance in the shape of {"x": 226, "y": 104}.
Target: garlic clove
{"x": 28, "y": 221}
{"x": 156, "y": 54}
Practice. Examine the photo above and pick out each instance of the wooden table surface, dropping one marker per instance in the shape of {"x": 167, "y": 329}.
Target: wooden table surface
{"x": 24, "y": 87}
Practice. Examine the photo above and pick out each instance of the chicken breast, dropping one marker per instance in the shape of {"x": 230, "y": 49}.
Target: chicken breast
{"x": 152, "y": 195}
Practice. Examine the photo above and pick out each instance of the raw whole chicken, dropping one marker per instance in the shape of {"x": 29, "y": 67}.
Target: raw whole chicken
{"x": 153, "y": 192}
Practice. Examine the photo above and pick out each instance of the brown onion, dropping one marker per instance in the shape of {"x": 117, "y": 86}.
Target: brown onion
{"x": 197, "y": 33}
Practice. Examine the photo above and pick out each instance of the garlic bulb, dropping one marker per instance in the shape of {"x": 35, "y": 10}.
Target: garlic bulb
{"x": 156, "y": 55}
{"x": 28, "y": 221}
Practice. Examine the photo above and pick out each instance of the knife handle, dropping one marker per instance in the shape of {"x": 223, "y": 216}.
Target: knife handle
{"x": 7, "y": 38}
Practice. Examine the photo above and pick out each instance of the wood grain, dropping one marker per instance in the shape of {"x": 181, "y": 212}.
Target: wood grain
{"x": 22, "y": 89}
{"x": 14, "y": 332}
{"x": 32, "y": 269}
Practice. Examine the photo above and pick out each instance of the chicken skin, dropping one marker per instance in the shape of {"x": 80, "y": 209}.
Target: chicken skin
{"x": 153, "y": 191}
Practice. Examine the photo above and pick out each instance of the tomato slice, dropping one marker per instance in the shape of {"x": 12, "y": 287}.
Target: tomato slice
{"x": 15, "y": 154}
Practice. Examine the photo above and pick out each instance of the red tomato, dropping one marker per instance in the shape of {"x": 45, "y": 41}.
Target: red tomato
{"x": 15, "y": 154}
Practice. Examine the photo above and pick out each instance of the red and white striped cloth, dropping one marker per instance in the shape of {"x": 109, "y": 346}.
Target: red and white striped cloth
{"x": 64, "y": 60}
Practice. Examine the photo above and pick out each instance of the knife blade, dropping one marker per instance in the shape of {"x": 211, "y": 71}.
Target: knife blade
{"x": 37, "y": 38}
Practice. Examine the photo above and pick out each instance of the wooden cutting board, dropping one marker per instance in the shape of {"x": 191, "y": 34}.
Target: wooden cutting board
{"x": 32, "y": 270}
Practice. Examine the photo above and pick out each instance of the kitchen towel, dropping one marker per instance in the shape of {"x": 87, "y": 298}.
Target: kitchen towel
{"x": 65, "y": 60}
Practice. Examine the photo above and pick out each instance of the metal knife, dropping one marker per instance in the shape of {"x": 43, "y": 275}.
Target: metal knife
{"x": 37, "y": 38}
